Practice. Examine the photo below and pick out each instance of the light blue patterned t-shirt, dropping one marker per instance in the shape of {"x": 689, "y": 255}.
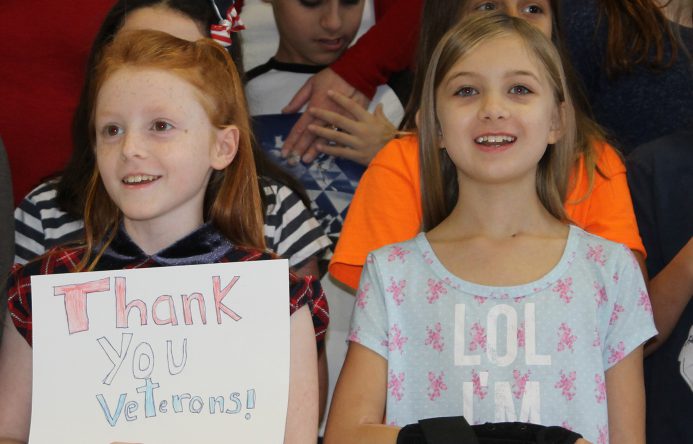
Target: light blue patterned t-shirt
{"x": 534, "y": 353}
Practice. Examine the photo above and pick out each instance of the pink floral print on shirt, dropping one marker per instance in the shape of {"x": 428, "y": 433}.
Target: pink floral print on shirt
{"x": 397, "y": 290}
{"x": 566, "y": 384}
{"x": 397, "y": 253}
{"x": 435, "y": 290}
{"x": 520, "y": 382}
{"x": 479, "y": 390}
{"x": 478, "y": 334}
{"x": 596, "y": 254}
{"x": 618, "y": 353}
{"x": 354, "y": 335}
{"x": 434, "y": 337}
{"x": 436, "y": 384}
{"x": 395, "y": 340}
{"x": 396, "y": 385}
{"x": 521, "y": 335}
{"x": 566, "y": 338}
{"x": 614, "y": 314}
{"x": 362, "y": 295}
{"x": 644, "y": 301}
{"x": 600, "y": 296}
{"x": 564, "y": 288}
{"x": 603, "y": 435}
{"x": 599, "y": 389}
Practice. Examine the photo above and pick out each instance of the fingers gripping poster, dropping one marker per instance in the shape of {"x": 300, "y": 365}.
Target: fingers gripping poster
{"x": 162, "y": 355}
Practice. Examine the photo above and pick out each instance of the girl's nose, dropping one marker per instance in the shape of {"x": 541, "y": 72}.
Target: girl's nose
{"x": 331, "y": 19}
{"x": 493, "y": 107}
{"x": 132, "y": 146}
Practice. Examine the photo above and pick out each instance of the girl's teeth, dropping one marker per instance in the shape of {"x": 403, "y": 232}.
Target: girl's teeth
{"x": 139, "y": 179}
{"x": 494, "y": 139}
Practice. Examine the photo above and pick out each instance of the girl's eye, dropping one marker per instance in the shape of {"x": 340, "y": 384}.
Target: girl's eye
{"x": 161, "y": 125}
{"x": 112, "y": 130}
{"x": 488, "y": 6}
{"x": 533, "y": 9}
{"x": 520, "y": 90}
{"x": 310, "y": 3}
{"x": 466, "y": 91}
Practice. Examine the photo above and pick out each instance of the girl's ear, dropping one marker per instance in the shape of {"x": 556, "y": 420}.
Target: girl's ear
{"x": 224, "y": 147}
{"x": 557, "y": 124}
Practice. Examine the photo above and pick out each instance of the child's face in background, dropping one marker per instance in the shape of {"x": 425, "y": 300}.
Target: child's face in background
{"x": 315, "y": 32}
{"x": 155, "y": 149}
{"x": 497, "y": 112}
{"x": 161, "y": 18}
{"x": 535, "y": 12}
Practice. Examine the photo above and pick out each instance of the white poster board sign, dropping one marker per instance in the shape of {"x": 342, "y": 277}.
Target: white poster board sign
{"x": 162, "y": 355}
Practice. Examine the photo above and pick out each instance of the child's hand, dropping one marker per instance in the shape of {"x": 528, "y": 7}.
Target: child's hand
{"x": 358, "y": 139}
{"x": 301, "y": 142}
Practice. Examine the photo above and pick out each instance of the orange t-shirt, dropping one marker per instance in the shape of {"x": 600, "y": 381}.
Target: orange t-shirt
{"x": 387, "y": 206}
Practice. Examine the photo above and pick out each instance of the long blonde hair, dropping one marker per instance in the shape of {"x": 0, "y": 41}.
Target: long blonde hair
{"x": 439, "y": 186}
{"x": 232, "y": 201}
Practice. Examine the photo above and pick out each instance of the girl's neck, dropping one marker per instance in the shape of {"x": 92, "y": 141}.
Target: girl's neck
{"x": 500, "y": 211}
{"x": 151, "y": 237}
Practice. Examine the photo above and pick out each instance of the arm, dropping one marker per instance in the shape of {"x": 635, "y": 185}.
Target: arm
{"x": 625, "y": 394}
{"x": 670, "y": 292}
{"x": 358, "y": 405}
{"x": 302, "y": 414}
{"x": 297, "y": 235}
{"x": 360, "y": 138}
{"x": 15, "y": 386}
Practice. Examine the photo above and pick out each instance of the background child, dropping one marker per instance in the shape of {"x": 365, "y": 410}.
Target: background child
{"x": 174, "y": 183}
{"x": 311, "y": 36}
{"x": 52, "y": 213}
{"x": 660, "y": 173}
{"x": 500, "y": 311}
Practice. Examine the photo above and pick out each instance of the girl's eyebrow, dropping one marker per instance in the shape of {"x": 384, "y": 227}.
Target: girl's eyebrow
{"x": 522, "y": 73}
{"x": 508, "y": 74}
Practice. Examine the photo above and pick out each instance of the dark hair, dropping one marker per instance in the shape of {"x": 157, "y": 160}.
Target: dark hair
{"x": 638, "y": 34}
{"x": 74, "y": 180}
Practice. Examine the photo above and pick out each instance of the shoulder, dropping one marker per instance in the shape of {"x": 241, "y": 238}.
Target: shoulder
{"x": 258, "y": 71}
{"x": 405, "y": 148}
{"x": 600, "y": 252}
{"x": 398, "y": 253}
{"x": 247, "y": 254}
{"x": 43, "y": 196}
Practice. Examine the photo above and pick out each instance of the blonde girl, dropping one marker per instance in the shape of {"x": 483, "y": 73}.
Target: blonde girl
{"x": 500, "y": 311}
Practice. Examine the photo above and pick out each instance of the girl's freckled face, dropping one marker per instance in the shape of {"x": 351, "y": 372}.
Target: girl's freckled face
{"x": 154, "y": 146}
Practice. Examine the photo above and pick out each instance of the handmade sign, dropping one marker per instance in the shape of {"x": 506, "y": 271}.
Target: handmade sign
{"x": 162, "y": 355}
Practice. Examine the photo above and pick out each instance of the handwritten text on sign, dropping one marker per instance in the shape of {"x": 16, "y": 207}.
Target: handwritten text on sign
{"x": 175, "y": 354}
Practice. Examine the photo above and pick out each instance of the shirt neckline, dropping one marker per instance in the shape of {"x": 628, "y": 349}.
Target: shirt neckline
{"x": 502, "y": 292}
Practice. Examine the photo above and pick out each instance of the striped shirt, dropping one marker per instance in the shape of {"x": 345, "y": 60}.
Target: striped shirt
{"x": 290, "y": 229}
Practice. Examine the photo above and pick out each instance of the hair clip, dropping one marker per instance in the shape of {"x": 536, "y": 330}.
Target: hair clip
{"x": 221, "y": 32}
